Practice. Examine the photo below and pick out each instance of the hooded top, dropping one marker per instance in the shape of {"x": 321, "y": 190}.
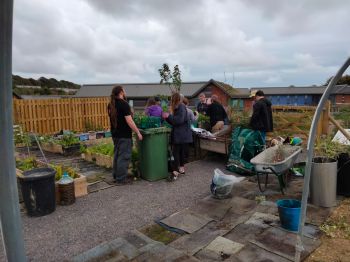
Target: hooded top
{"x": 261, "y": 119}
{"x": 154, "y": 110}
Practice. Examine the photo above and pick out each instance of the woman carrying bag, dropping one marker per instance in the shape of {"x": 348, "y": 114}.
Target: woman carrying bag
{"x": 181, "y": 134}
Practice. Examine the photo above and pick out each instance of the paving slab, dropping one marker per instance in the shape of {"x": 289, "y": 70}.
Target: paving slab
{"x": 282, "y": 243}
{"x": 263, "y": 220}
{"x": 245, "y": 189}
{"x": 243, "y": 233}
{"x": 242, "y": 205}
{"x": 212, "y": 208}
{"x": 221, "y": 245}
{"x": 116, "y": 249}
{"x": 254, "y": 253}
{"x": 186, "y": 220}
{"x": 160, "y": 252}
{"x": 192, "y": 243}
{"x": 268, "y": 207}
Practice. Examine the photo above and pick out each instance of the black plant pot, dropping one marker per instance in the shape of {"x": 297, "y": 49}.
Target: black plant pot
{"x": 343, "y": 176}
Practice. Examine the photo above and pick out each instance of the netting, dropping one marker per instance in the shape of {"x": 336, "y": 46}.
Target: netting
{"x": 246, "y": 144}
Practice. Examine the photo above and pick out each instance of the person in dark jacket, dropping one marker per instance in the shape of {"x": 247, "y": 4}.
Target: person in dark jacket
{"x": 217, "y": 114}
{"x": 261, "y": 119}
{"x": 181, "y": 134}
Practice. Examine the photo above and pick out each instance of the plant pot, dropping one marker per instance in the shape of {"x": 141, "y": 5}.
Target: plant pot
{"x": 343, "y": 178}
{"x": 323, "y": 184}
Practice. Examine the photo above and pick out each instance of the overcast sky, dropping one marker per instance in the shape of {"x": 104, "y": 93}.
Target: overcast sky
{"x": 250, "y": 43}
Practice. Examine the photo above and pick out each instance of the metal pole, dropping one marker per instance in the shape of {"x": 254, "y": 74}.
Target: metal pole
{"x": 11, "y": 226}
{"x": 310, "y": 152}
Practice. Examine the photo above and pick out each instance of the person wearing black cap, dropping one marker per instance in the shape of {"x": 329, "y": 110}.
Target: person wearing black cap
{"x": 261, "y": 119}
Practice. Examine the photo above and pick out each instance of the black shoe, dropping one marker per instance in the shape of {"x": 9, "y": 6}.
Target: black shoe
{"x": 126, "y": 181}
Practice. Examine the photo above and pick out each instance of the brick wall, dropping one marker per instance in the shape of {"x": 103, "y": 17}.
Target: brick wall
{"x": 342, "y": 99}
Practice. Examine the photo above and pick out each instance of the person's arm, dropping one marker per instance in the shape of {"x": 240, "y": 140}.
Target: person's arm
{"x": 132, "y": 125}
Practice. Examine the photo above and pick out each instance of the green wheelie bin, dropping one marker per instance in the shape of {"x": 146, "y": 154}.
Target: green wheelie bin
{"x": 153, "y": 153}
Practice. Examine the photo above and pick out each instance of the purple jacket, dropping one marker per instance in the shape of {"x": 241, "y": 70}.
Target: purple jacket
{"x": 154, "y": 110}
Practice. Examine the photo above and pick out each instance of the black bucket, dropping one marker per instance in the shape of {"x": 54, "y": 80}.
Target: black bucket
{"x": 343, "y": 177}
{"x": 38, "y": 191}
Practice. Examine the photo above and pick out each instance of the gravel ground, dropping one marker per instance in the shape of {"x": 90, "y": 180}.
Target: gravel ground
{"x": 110, "y": 213}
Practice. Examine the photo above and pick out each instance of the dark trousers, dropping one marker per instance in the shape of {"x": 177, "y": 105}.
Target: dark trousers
{"x": 122, "y": 157}
{"x": 180, "y": 152}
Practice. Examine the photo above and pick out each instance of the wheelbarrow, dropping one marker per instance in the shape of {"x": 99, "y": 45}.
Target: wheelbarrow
{"x": 275, "y": 160}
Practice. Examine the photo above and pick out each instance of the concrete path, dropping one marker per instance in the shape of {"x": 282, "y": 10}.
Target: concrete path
{"x": 111, "y": 213}
{"x": 239, "y": 228}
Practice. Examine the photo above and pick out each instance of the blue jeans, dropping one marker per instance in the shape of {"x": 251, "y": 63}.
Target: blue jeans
{"x": 122, "y": 157}
{"x": 263, "y": 136}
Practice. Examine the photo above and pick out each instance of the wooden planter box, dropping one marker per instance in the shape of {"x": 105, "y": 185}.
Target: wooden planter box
{"x": 80, "y": 186}
{"x": 59, "y": 149}
{"x": 98, "y": 159}
{"x": 218, "y": 145}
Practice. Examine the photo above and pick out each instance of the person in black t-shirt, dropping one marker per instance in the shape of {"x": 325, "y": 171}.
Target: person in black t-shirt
{"x": 122, "y": 126}
{"x": 217, "y": 114}
{"x": 202, "y": 106}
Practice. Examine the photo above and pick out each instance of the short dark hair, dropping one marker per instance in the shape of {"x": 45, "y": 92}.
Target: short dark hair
{"x": 157, "y": 98}
{"x": 259, "y": 93}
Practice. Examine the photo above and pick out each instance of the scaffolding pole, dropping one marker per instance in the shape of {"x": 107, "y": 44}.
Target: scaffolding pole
{"x": 310, "y": 152}
{"x": 11, "y": 226}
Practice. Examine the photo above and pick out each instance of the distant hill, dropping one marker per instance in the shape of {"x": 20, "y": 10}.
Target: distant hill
{"x": 43, "y": 86}
{"x": 43, "y": 82}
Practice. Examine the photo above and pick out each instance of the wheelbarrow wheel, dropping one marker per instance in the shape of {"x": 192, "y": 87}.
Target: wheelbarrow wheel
{"x": 259, "y": 182}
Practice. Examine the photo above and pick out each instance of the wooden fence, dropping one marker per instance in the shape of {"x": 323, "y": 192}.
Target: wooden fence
{"x": 49, "y": 116}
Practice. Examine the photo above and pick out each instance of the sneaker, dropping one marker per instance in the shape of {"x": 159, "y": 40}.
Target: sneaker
{"x": 173, "y": 176}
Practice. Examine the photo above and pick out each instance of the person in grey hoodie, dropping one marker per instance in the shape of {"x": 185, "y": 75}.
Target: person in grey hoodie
{"x": 261, "y": 119}
{"x": 181, "y": 134}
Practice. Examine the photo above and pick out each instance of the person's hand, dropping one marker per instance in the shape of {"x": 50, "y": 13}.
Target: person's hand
{"x": 165, "y": 115}
{"x": 139, "y": 136}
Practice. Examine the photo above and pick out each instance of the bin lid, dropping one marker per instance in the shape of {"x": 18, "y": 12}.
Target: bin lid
{"x": 153, "y": 131}
{"x": 38, "y": 174}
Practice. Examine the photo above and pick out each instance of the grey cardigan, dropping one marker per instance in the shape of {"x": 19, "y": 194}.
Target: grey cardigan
{"x": 181, "y": 132}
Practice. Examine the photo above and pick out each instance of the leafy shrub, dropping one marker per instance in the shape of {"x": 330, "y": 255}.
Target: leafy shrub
{"x": 104, "y": 149}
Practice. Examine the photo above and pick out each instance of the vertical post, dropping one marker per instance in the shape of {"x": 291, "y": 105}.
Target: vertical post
{"x": 325, "y": 118}
{"x": 310, "y": 152}
{"x": 11, "y": 227}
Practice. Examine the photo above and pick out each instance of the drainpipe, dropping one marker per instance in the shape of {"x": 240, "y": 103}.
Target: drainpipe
{"x": 11, "y": 226}
{"x": 310, "y": 152}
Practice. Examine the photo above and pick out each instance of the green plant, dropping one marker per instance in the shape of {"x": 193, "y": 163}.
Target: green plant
{"x": 68, "y": 140}
{"x": 82, "y": 149}
{"x": 104, "y": 149}
{"x": 90, "y": 126}
{"x": 238, "y": 117}
{"x": 172, "y": 79}
{"x": 203, "y": 119}
{"x": 325, "y": 147}
{"x": 27, "y": 164}
{"x": 61, "y": 169}
{"x": 134, "y": 161}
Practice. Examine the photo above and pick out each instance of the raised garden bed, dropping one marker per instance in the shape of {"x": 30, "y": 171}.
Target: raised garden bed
{"x": 60, "y": 149}
{"x": 80, "y": 182}
{"x": 98, "y": 159}
{"x": 101, "y": 154}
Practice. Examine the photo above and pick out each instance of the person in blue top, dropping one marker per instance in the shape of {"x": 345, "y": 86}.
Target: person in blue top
{"x": 181, "y": 134}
